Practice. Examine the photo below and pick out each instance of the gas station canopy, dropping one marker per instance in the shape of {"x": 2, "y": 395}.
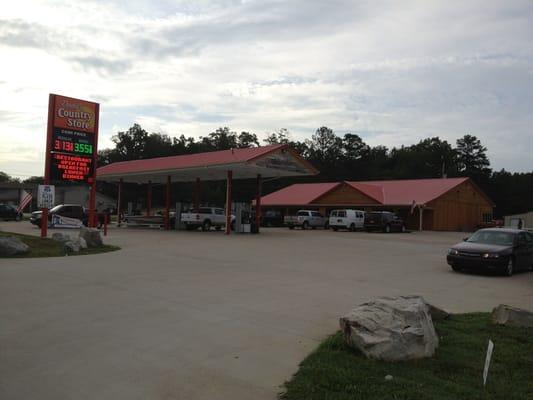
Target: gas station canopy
{"x": 267, "y": 161}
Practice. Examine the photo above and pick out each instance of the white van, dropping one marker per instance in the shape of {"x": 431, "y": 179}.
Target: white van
{"x": 346, "y": 219}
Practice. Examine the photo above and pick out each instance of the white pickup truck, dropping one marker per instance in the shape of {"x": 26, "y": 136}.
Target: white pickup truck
{"x": 306, "y": 219}
{"x": 205, "y": 218}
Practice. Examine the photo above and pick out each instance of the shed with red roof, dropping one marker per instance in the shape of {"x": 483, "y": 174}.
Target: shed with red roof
{"x": 445, "y": 204}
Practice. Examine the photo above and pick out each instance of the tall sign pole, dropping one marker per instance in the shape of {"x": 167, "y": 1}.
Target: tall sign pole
{"x": 71, "y": 147}
{"x": 93, "y": 222}
{"x": 49, "y": 131}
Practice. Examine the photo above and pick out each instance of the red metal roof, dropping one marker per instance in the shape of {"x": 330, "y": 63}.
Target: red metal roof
{"x": 298, "y": 194}
{"x": 187, "y": 161}
{"x": 398, "y": 192}
{"x": 404, "y": 192}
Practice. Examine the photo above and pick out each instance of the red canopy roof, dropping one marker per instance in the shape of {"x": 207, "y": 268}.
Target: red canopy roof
{"x": 298, "y": 194}
{"x": 398, "y": 193}
{"x": 244, "y": 162}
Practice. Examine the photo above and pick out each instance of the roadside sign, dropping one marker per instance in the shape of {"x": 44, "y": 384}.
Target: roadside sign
{"x": 46, "y": 196}
{"x": 72, "y": 139}
{"x": 490, "y": 348}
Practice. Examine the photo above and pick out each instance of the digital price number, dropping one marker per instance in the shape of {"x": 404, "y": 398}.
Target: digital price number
{"x": 71, "y": 147}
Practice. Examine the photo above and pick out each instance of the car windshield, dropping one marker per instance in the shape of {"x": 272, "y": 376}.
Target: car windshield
{"x": 56, "y": 208}
{"x": 492, "y": 237}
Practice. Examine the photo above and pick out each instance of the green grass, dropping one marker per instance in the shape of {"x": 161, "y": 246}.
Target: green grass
{"x": 44, "y": 247}
{"x": 335, "y": 371}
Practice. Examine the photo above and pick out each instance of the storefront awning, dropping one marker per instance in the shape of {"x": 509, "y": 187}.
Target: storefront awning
{"x": 268, "y": 161}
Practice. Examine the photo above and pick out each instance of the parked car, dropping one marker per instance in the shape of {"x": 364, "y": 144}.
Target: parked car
{"x": 272, "y": 218}
{"x": 384, "y": 221}
{"x": 306, "y": 219}
{"x": 9, "y": 212}
{"x": 205, "y": 218}
{"x": 346, "y": 219}
{"x": 501, "y": 249}
{"x": 76, "y": 211}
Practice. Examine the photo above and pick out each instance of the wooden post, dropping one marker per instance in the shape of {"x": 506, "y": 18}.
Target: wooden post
{"x": 47, "y": 161}
{"x": 167, "y": 205}
{"x": 420, "y": 214}
{"x": 93, "y": 217}
{"x": 119, "y": 202}
{"x": 229, "y": 188}
{"x": 258, "y": 202}
{"x": 148, "y": 198}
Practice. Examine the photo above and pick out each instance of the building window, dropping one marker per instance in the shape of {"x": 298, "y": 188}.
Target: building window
{"x": 487, "y": 218}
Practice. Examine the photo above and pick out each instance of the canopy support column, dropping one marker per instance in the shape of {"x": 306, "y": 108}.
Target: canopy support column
{"x": 258, "y": 202}
{"x": 229, "y": 188}
{"x": 148, "y": 198}
{"x": 167, "y": 205}
{"x": 421, "y": 218}
{"x": 196, "y": 195}
{"x": 93, "y": 217}
{"x": 119, "y": 202}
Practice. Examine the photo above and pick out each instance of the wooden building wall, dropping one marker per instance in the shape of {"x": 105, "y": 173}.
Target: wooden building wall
{"x": 461, "y": 209}
{"x": 344, "y": 195}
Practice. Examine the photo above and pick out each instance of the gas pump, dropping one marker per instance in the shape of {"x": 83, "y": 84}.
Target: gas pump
{"x": 242, "y": 217}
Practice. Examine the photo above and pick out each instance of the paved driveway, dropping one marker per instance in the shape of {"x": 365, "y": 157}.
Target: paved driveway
{"x": 192, "y": 315}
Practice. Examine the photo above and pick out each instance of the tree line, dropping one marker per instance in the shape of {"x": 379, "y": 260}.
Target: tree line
{"x": 345, "y": 157}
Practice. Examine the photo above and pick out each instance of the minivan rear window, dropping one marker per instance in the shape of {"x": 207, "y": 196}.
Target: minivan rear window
{"x": 373, "y": 215}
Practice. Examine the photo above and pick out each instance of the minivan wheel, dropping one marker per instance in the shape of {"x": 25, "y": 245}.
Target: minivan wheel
{"x": 510, "y": 267}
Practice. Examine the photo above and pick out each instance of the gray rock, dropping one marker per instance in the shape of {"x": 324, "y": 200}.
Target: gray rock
{"x": 438, "y": 314}
{"x": 92, "y": 237}
{"x": 60, "y": 237}
{"x": 83, "y": 243}
{"x": 12, "y": 246}
{"x": 512, "y": 316}
{"x": 71, "y": 246}
{"x": 391, "y": 329}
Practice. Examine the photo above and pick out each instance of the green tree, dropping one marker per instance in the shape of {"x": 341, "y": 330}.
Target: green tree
{"x": 34, "y": 179}
{"x": 130, "y": 145}
{"x": 221, "y": 139}
{"x": 281, "y": 136}
{"x": 247, "y": 139}
{"x": 472, "y": 157}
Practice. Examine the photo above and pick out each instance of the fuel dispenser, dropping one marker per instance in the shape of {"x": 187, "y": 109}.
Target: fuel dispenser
{"x": 243, "y": 217}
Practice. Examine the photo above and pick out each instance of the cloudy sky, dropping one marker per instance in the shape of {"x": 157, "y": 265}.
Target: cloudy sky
{"x": 391, "y": 71}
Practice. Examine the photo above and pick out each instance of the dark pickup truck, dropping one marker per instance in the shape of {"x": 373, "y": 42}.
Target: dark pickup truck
{"x": 65, "y": 210}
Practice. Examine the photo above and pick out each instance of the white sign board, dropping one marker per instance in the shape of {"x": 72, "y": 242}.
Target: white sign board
{"x": 59, "y": 221}
{"x": 46, "y": 196}
{"x": 490, "y": 348}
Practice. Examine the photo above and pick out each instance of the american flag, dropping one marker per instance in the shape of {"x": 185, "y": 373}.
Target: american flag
{"x": 25, "y": 199}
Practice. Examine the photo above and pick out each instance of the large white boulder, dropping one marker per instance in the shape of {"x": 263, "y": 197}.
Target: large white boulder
{"x": 92, "y": 237}
{"x": 512, "y": 316}
{"x": 12, "y": 246}
{"x": 391, "y": 328}
{"x": 71, "y": 246}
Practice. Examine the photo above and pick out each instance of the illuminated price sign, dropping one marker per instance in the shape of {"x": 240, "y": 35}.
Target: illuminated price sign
{"x": 73, "y": 139}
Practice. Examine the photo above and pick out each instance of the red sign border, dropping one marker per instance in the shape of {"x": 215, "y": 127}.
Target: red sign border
{"x": 48, "y": 157}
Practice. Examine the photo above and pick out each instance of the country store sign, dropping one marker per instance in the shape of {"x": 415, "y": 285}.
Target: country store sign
{"x": 72, "y": 139}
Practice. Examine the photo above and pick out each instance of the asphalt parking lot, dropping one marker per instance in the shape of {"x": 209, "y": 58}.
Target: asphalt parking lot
{"x": 193, "y": 315}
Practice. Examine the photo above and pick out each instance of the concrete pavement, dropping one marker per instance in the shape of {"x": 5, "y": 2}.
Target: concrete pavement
{"x": 193, "y": 315}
